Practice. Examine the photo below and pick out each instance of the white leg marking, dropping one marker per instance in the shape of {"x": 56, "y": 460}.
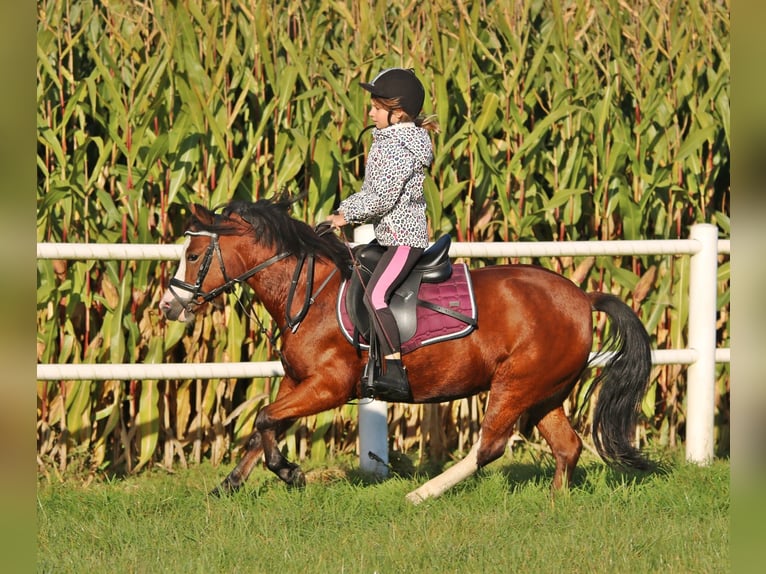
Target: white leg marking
{"x": 449, "y": 478}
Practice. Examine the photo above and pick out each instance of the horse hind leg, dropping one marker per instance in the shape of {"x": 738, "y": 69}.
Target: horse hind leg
{"x": 503, "y": 410}
{"x": 461, "y": 470}
{"x": 564, "y": 442}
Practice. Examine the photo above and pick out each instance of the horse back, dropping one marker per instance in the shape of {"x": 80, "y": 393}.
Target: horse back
{"x": 530, "y": 285}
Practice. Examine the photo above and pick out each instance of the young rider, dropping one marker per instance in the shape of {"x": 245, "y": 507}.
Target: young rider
{"x": 392, "y": 198}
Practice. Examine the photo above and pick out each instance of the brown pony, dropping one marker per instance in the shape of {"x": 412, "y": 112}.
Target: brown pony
{"x": 531, "y": 345}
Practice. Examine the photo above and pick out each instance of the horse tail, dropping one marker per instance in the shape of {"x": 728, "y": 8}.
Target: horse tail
{"x": 625, "y": 378}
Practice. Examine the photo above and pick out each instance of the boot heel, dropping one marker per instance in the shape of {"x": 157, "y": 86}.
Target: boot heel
{"x": 393, "y": 385}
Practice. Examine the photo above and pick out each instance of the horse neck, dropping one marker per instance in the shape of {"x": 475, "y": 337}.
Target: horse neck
{"x": 272, "y": 285}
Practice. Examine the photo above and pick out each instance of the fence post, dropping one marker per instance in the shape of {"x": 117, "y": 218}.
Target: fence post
{"x": 700, "y": 385}
{"x": 373, "y": 414}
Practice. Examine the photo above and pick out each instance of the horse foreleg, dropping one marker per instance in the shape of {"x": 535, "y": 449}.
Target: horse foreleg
{"x": 449, "y": 478}
{"x": 321, "y": 392}
{"x": 566, "y": 446}
{"x": 237, "y": 477}
{"x": 288, "y": 471}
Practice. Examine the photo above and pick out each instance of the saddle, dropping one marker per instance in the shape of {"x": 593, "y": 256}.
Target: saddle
{"x": 433, "y": 279}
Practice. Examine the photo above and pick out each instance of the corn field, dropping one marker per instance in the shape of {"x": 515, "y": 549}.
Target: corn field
{"x": 560, "y": 120}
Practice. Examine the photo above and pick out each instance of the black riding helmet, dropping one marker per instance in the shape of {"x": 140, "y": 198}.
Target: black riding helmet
{"x": 398, "y": 83}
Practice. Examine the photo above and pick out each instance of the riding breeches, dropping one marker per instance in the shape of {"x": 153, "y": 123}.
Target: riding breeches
{"x": 394, "y": 266}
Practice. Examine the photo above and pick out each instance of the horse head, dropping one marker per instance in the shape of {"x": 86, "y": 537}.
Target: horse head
{"x": 230, "y": 247}
{"x": 206, "y": 269}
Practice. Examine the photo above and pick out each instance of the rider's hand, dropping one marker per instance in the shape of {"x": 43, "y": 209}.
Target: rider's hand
{"x": 337, "y": 220}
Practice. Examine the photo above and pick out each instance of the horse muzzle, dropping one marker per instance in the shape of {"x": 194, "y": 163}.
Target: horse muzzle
{"x": 174, "y": 310}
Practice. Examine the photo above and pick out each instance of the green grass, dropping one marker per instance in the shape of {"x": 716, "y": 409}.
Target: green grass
{"x": 502, "y": 520}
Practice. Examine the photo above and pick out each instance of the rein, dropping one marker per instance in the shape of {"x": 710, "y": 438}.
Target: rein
{"x": 294, "y": 321}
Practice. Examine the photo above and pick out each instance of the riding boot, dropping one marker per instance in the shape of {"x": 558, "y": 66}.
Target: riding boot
{"x": 392, "y": 385}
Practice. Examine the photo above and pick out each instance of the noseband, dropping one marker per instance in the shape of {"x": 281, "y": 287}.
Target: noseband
{"x": 198, "y": 296}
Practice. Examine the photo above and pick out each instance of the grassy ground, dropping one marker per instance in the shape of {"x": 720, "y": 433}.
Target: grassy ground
{"x": 502, "y": 520}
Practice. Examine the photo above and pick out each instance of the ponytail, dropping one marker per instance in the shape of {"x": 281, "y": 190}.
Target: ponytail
{"x": 429, "y": 123}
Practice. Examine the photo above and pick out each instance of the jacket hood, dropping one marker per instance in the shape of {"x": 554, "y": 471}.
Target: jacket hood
{"x": 415, "y": 139}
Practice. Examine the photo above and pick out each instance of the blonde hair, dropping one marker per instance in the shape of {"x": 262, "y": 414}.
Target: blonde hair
{"x": 430, "y": 123}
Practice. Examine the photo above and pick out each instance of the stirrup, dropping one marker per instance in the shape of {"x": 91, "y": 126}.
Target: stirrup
{"x": 394, "y": 385}
{"x": 370, "y": 373}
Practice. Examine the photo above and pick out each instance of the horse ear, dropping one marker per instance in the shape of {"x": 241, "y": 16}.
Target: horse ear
{"x": 201, "y": 213}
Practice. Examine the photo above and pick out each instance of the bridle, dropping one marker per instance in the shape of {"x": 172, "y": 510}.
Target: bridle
{"x": 198, "y": 296}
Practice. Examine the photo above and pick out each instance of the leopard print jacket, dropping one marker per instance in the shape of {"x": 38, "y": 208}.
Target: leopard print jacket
{"x": 391, "y": 196}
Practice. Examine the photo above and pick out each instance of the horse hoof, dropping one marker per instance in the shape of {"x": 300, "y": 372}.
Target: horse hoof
{"x": 297, "y": 478}
{"x": 414, "y": 498}
{"x": 220, "y": 492}
{"x": 226, "y": 488}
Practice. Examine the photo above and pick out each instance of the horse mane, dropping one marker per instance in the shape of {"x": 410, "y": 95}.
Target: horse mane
{"x": 272, "y": 224}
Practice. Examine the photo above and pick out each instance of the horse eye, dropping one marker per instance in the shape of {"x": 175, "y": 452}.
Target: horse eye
{"x": 192, "y": 257}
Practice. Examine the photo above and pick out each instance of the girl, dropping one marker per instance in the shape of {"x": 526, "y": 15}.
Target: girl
{"x": 392, "y": 198}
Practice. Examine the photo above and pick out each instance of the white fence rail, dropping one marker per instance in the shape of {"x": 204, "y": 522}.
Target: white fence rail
{"x": 701, "y": 355}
